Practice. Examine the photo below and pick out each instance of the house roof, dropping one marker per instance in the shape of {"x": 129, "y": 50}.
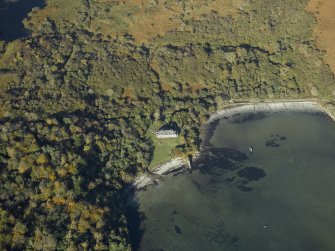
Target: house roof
{"x": 166, "y": 132}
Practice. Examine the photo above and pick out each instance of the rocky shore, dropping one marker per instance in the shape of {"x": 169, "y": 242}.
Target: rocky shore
{"x": 172, "y": 167}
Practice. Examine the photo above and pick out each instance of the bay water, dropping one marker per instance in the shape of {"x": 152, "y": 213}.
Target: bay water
{"x": 12, "y": 13}
{"x": 264, "y": 182}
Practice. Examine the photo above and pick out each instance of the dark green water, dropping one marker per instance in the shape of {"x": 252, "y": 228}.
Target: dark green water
{"x": 278, "y": 197}
{"x": 12, "y": 13}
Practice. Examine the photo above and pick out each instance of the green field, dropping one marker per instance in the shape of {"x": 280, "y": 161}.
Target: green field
{"x": 163, "y": 150}
{"x": 162, "y": 147}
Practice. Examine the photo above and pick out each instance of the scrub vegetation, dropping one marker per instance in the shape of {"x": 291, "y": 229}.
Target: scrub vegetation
{"x": 78, "y": 98}
{"x": 324, "y": 32}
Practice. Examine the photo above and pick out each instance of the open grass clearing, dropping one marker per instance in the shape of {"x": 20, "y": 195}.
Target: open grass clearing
{"x": 163, "y": 150}
{"x": 162, "y": 147}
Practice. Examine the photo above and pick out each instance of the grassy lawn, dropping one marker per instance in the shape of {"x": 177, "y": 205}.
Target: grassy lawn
{"x": 163, "y": 147}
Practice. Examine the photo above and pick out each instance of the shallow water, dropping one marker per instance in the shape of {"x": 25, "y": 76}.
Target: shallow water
{"x": 280, "y": 196}
{"x": 12, "y": 13}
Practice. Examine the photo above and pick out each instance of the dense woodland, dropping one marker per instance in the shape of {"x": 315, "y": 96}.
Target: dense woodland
{"x": 79, "y": 94}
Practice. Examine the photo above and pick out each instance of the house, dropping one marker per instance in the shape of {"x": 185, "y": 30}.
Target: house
{"x": 168, "y": 131}
{"x": 163, "y": 134}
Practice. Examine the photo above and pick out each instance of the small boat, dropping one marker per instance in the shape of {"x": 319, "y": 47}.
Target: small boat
{"x": 251, "y": 149}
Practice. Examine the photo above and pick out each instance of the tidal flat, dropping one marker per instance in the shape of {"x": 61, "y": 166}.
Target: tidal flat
{"x": 264, "y": 182}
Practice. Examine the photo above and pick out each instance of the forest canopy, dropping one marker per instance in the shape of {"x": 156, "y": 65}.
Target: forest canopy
{"x": 79, "y": 95}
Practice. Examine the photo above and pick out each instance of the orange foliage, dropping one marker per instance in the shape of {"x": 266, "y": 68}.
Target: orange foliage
{"x": 155, "y": 22}
{"x": 324, "y": 32}
{"x": 148, "y": 19}
{"x": 129, "y": 93}
{"x": 194, "y": 87}
{"x": 59, "y": 200}
{"x": 166, "y": 87}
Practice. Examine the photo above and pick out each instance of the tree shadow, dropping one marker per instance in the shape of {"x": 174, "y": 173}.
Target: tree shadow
{"x": 134, "y": 219}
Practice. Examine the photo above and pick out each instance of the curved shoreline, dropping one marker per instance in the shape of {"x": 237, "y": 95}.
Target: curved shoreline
{"x": 271, "y": 107}
{"x": 179, "y": 164}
